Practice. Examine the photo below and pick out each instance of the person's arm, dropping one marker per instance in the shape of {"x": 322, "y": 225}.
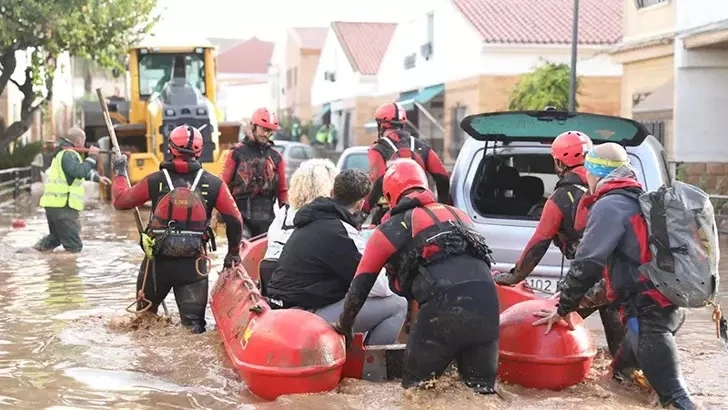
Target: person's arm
{"x": 376, "y": 254}
{"x": 548, "y": 227}
{"x": 442, "y": 179}
{"x": 126, "y": 197}
{"x": 282, "y": 192}
{"x": 377, "y": 167}
{"x": 225, "y": 205}
{"x": 77, "y": 169}
{"x": 231, "y": 165}
{"x": 601, "y": 237}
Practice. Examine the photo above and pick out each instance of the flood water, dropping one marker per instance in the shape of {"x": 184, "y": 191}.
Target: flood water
{"x": 67, "y": 343}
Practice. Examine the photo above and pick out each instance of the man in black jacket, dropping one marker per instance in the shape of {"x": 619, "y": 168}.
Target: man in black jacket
{"x": 318, "y": 262}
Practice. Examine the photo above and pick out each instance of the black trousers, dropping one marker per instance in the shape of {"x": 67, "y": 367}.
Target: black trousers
{"x": 459, "y": 324}
{"x": 649, "y": 345}
{"x": 64, "y": 229}
{"x": 613, "y": 327}
{"x": 178, "y": 275}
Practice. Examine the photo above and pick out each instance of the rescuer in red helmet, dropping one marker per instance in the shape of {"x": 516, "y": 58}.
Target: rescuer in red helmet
{"x": 175, "y": 242}
{"x": 558, "y": 224}
{"x": 433, "y": 256}
{"x": 256, "y": 174}
{"x": 395, "y": 142}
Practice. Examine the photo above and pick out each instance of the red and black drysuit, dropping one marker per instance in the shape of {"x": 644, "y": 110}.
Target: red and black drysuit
{"x": 614, "y": 245}
{"x": 406, "y": 146}
{"x": 256, "y": 175}
{"x": 558, "y": 225}
{"x": 433, "y": 256}
{"x": 180, "y": 274}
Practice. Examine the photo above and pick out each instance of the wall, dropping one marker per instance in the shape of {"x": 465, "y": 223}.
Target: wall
{"x": 333, "y": 59}
{"x": 643, "y": 76}
{"x": 306, "y": 71}
{"x": 292, "y": 59}
{"x": 649, "y": 21}
{"x": 456, "y": 49}
{"x": 701, "y": 101}
{"x": 509, "y": 59}
{"x": 696, "y": 13}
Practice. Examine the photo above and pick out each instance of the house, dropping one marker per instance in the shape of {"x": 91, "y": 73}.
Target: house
{"x": 457, "y": 57}
{"x": 296, "y": 72}
{"x": 346, "y": 77}
{"x": 675, "y": 59}
{"x": 242, "y": 78}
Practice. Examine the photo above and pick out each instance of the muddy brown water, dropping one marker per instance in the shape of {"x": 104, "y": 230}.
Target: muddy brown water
{"x": 67, "y": 343}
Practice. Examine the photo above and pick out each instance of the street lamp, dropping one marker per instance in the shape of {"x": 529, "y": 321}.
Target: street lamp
{"x": 572, "y": 72}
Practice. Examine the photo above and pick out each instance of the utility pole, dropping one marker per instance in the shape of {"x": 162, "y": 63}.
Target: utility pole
{"x": 574, "y": 42}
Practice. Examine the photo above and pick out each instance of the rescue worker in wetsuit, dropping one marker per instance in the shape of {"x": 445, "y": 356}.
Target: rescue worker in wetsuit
{"x": 63, "y": 194}
{"x": 614, "y": 245}
{"x": 395, "y": 142}
{"x": 432, "y": 255}
{"x": 179, "y": 226}
{"x": 256, "y": 174}
{"x": 558, "y": 224}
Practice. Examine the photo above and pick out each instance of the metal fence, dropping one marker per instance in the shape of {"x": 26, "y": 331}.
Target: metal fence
{"x": 13, "y": 182}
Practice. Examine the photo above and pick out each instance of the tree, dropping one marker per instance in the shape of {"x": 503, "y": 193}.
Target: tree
{"x": 546, "y": 85}
{"x": 42, "y": 30}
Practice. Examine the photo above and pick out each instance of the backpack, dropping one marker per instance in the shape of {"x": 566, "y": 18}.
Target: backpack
{"x": 404, "y": 148}
{"x": 683, "y": 240}
{"x": 179, "y": 224}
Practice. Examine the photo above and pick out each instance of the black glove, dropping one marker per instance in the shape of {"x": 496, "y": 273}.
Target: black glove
{"x": 120, "y": 165}
{"x": 347, "y": 333}
{"x": 231, "y": 259}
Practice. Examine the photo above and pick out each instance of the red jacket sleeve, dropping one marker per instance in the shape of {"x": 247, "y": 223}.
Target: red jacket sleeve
{"x": 230, "y": 214}
{"x": 228, "y": 170}
{"x": 125, "y": 197}
{"x": 282, "y": 183}
{"x": 548, "y": 227}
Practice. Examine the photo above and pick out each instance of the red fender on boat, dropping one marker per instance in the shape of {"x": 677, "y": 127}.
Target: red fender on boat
{"x": 251, "y": 253}
{"x": 510, "y": 295}
{"x": 532, "y": 359}
{"x": 276, "y": 352}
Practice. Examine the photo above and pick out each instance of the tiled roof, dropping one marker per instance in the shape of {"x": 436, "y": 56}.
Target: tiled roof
{"x": 543, "y": 21}
{"x": 364, "y": 43}
{"x": 249, "y": 57}
{"x": 311, "y": 37}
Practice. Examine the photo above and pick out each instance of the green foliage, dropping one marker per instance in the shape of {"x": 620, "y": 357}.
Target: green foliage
{"x": 97, "y": 30}
{"x": 546, "y": 85}
{"x": 20, "y": 156}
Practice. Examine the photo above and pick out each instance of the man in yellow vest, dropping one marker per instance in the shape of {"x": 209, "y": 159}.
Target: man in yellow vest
{"x": 63, "y": 196}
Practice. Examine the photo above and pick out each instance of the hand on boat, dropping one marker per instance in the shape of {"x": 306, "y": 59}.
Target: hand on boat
{"x": 347, "y": 333}
{"x": 549, "y": 317}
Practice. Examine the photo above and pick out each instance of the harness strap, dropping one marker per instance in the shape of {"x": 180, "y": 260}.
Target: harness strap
{"x": 390, "y": 143}
{"x": 168, "y": 179}
{"x": 197, "y": 179}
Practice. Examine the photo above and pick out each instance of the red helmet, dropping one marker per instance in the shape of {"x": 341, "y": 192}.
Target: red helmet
{"x": 570, "y": 148}
{"x": 264, "y": 119}
{"x": 402, "y": 175}
{"x": 185, "y": 141}
{"x": 390, "y": 115}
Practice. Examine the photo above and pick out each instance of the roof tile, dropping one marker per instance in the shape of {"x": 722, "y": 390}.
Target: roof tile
{"x": 248, "y": 57}
{"x": 543, "y": 21}
{"x": 364, "y": 43}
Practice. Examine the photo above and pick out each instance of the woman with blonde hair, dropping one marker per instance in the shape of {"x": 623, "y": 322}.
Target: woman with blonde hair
{"x": 314, "y": 178}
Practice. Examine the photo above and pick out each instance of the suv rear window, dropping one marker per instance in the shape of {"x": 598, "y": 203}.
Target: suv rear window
{"x": 357, "y": 161}
{"x": 516, "y": 186}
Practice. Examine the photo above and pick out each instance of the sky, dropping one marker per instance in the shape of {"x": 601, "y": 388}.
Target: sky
{"x": 269, "y": 19}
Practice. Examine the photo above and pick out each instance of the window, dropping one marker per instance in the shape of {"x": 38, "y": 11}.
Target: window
{"x": 516, "y": 186}
{"x": 358, "y": 161}
{"x": 295, "y": 76}
{"x": 280, "y": 148}
{"x": 647, "y": 3}
{"x": 289, "y": 82}
{"x": 310, "y": 153}
{"x": 297, "y": 153}
{"x": 657, "y": 129}
{"x": 431, "y": 27}
{"x": 156, "y": 70}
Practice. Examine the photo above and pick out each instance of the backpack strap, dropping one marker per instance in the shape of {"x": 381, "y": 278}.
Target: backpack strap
{"x": 197, "y": 179}
{"x": 390, "y": 143}
{"x": 412, "y": 144}
{"x": 168, "y": 179}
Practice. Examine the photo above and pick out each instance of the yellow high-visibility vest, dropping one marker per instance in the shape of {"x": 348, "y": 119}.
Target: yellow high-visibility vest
{"x": 57, "y": 192}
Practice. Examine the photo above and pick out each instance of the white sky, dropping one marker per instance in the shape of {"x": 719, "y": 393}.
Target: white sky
{"x": 269, "y": 19}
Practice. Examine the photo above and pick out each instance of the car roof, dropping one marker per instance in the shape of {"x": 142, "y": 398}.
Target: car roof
{"x": 358, "y": 149}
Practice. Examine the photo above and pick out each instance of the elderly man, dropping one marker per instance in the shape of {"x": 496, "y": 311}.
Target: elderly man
{"x": 613, "y": 247}
{"x": 63, "y": 195}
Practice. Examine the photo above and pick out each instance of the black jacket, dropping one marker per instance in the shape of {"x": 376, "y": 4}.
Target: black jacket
{"x": 319, "y": 260}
